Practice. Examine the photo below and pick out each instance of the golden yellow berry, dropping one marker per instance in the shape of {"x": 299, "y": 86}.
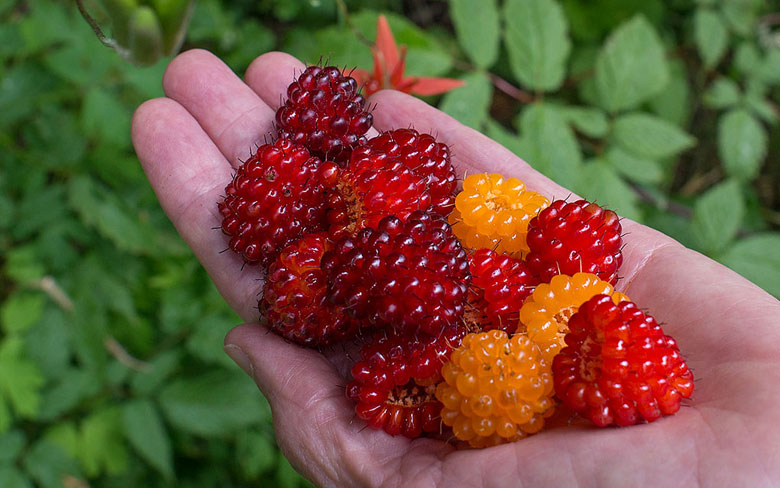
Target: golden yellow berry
{"x": 496, "y": 389}
{"x": 545, "y": 314}
{"x": 493, "y": 212}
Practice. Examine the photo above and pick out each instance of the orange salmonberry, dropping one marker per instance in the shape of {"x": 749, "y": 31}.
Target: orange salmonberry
{"x": 545, "y": 314}
{"x": 496, "y": 389}
{"x": 493, "y": 212}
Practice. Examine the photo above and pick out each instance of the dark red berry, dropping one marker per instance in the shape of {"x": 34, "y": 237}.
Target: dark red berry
{"x": 568, "y": 238}
{"x": 394, "y": 383}
{"x": 294, "y": 300}
{"x": 275, "y": 197}
{"x": 325, "y": 113}
{"x": 409, "y": 275}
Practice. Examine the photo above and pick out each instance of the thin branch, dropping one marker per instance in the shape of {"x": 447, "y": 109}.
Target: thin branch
{"x": 48, "y": 285}
{"x": 120, "y": 353}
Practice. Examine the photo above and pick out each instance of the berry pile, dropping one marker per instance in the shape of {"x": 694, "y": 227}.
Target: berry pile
{"x": 478, "y": 312}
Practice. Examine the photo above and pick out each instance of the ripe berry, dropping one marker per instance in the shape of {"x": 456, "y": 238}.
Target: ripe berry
{"x": 410, "y": 275}
{"x": 496, "y": 389}
{"x": 393, "y": 384}
{"x": 276, "y": 196}
{"x": 493, "y": 212}
{"x": 294, "y": 301}
{"x": 546, "y": 312}
{"x": 397, "y": 173}
{"x": 619, "y": 367}
{"x": 325, "y": 113}
{"x": 568, "y": 238}
{"x": 499, "y": 285}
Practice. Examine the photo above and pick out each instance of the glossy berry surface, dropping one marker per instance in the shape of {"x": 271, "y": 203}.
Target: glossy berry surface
{"x": 394, "y": 382}
{"x": 412, "y": 276}
{"x": 499, "y": 285}
{"x": 546, "y": 312}
{"x": 325, "y": 113}
{"x": 275, "y": 197}
{"x": 568, "y": 238}
{"x": 496, "y": 389}
{"x": 294, "y": 299}
{"x": 397, "y": 173}
{"x": 493, "y": 212}
{"x": 619, "y": 368}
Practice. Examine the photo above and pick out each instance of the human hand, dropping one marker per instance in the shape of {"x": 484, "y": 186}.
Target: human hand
{"x": 727, "y": 328}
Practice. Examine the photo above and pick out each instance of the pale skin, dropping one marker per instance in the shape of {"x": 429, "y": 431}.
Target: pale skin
{"x": 728, "y": 329}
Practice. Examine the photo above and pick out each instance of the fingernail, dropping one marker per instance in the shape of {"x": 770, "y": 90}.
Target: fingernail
{"x": 240, "y": 358}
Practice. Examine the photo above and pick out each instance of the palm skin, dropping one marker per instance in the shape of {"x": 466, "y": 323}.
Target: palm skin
{"x": 727, "y": 328}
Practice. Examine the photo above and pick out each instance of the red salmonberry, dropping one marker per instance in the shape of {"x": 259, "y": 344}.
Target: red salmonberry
{"x": 619, "y": 367}
{"x": 409, "y": 275}
{"x": 568, "y": 238}
{"x": 276, "y": 196}
{"x": 499, "y": 285}
{"x": 294, "y": 299}
{"x": 394, "y": 383}
{"x": 325, "y": 113}
{"x": 397, "y": 173}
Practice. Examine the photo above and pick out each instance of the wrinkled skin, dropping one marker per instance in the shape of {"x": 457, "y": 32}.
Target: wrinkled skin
{"x": 727, "y": 328}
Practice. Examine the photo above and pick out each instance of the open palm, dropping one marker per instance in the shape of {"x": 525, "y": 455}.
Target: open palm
{"x": 727, "y": 328}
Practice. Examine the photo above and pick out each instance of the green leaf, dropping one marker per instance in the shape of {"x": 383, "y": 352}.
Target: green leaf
{"x": 550, "y": 145}
{"x": 49, "y": 343}
{"x": 106, "y": 213}
{"x": 102, "y": 448}
{"x": 21, "y": 381}
{"x": 469, "y": 104}
{"x": 742, "y": 144}
{"x": 717, "y": 215}
{"x": 591, "y": 121}
{"x": 741, "y": 15}
{"x": 10, "y": 477}
{"x": 64, "y": 435}
{"x": 213, "y": 404}
{"x": 206, "y": 341}
{"x": 769, "y": 70}
{"x": 48, "y": 464}
{"x": 761, "y": 107}
{"x": 722, "y": 93}
{"x": 256, "y": 453}
{"x": 673, "y": 103}
{"x": 23, "y": 265}
{"x": 144, "y": 429}
{"x": 161, "y": 367}
{"x": 20, "y": 311}
{"x": 757, "y": 258}
{"x": 631, "y": 66}
{"x": 537, "y": 41}
{"x": 73, "y": 387}
{"x": 711, "y": 34}
{"x": 102, "y": 116}
{"x": 11, "y": 444}
{"x": 747, "y": 59}
{"x": 506, "y": 138}
{"x": 477, "y": 28}
{"x": 640, "y": 170}
{"x": 602, "y": 185}
{"x": 650, "y": 136}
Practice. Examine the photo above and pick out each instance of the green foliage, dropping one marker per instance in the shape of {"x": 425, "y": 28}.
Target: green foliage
{"x": 111, "y": 367}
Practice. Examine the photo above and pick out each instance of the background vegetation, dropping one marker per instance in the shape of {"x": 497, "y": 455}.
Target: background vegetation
{"x": 111, "y": 368}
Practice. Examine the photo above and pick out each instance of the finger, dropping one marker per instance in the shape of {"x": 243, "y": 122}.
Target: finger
{"x": 189, "y": 174}
{"x": 235, "y": 118}
{"x": 307, "y": 399}
{"x": 270, "y": 74}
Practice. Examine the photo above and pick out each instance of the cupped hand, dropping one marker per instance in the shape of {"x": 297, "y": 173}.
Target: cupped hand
{"x": 728, "y": 434}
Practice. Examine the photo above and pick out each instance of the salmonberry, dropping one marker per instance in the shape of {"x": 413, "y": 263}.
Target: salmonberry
{"x": 275, "y": 197}
{"x": 493, "y": 212}
{"x": 394, "y": 382}
{"x": 567, "y": 238}
{"x": 546, "y": 312}
{"x": 294, "y": 299}
{"x": 496, "y": 389}
{"x": 325, "y": 113}
{"x": 410, "y": 275}
{"x": 499, "y": 285}
{"x": 619, "y": 367}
